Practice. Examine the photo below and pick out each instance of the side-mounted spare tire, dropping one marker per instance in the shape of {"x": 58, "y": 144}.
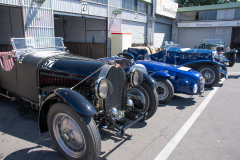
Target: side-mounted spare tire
{"x": 76, "y": 137}
{"x": 164, "y": 89}
{"x": 150, "y": 94}
{"x": 211, "y": 75}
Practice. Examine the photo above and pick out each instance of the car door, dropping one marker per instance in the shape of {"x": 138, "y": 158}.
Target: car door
{"x": 8, "y": 74}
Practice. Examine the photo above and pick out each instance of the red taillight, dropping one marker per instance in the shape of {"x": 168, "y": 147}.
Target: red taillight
{"x": 117, "y": 65}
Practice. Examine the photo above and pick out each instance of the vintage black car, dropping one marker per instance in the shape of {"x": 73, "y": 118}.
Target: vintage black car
{"x": 76, "y": 97}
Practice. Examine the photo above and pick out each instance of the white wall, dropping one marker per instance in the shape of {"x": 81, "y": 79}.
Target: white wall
{"x": 96, "y": 28}
{"x": 191, "y": 37}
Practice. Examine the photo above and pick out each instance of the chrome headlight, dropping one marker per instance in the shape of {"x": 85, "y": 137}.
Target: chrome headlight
{"x": 136, "y": 77}
{"x": 194, "y": 88}
{"x": 103, "y": 88}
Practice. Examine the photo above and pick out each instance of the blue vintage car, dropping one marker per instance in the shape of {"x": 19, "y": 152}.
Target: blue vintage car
{"x": 171, "y": 78}
{"x": 201, "y": 60}
{"x": 217, "y": 44}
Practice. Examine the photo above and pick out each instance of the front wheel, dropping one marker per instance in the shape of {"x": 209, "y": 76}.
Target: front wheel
{"x": 211, "y": 75}
{"x": 164, "y": 89}
{"x": 148, "y": 102}
{"x": 232, "y": 59}
{"x": 75, "y": 137}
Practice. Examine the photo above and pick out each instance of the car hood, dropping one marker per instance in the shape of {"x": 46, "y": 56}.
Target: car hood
{"x": 190, "y": 50}
{"x": 153, "y": 66}
{"x": 74, "y": 65}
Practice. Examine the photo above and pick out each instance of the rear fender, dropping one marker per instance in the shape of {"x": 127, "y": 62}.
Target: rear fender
{"x": 232, "y": 52}
{"x": 71, "y": 98}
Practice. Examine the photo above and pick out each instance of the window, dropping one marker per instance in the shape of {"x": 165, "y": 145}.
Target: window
{"x": 237, "y": 13}
{"x": 208, "y": 15}
{"x": 141, "y": 7}
{"x": 99, "y": 1}
{"x": 134, "y": 5}
{"x": 187, "y": 16}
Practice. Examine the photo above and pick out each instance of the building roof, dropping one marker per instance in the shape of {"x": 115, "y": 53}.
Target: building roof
{"x": 209, "y": 7}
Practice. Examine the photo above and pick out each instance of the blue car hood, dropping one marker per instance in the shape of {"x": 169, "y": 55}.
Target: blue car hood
{"x": 190, "y": 50}
{"x": 154, "y": 66}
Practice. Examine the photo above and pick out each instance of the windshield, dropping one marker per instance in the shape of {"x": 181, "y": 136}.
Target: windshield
{"x": 23, "y": 45}
{"x": 37, "y": 43}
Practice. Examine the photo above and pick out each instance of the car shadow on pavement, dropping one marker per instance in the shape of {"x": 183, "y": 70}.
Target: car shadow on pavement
{"x": 180, "y": 102}
{"x": 234, "y": 77}
{"x": 121, "y": 139}
{"x": 21, "y": 124}
{"x": 32, "y": 153}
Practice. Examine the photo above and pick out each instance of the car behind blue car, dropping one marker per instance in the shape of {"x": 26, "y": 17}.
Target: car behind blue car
{"x": 170, "y": 78}
{"x": 201, "y": 60}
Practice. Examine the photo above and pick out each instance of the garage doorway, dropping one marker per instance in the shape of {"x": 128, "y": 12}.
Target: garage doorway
{"x": 82, "y": 36}
{"x": 235, "y": 39}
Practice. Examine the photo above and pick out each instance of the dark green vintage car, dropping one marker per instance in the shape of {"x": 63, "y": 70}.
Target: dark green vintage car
{"x": 217, "y": 44}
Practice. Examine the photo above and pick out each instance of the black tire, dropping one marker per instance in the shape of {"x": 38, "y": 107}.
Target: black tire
{"x": 164, "y": 89}
{"x": 153, "y": 101}
{"x": 232, "y": 59}
{"x": 82, "y": 135}
{"x": 211, "y": 75}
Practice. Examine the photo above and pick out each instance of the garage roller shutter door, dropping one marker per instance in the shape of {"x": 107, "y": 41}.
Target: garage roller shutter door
{"x": 162, "y": 32}
{"x": 191, "y": 37}
{"x": 137, "y": 29}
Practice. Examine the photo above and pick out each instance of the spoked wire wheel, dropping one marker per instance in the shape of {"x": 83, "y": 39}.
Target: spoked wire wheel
{"x": 208, "y": 74}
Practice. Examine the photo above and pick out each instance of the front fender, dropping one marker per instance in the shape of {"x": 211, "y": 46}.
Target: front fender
{"x": 160, "y": 74}
{"x": 233, "y": 51}
{"x": 70, "y": 97}
{"x": 150, "y": 80}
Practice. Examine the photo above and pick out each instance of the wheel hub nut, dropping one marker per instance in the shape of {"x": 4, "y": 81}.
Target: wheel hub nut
{"x": 67, "y": 136}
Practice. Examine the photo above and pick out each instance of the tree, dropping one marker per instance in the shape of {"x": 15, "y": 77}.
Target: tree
{"x": 189, "y": 3}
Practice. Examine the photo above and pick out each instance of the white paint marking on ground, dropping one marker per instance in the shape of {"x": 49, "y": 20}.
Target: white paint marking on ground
{"x": 163, "y": 155}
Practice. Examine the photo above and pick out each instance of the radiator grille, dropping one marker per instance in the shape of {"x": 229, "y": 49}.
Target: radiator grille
{"x": 51, "y": 81}
{"x": 117, "y": 77}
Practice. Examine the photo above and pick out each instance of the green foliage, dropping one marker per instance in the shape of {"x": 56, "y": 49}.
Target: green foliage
{"x": 189, "y": 3}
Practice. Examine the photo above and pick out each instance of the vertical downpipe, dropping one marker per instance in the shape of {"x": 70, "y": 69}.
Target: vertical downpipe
{"x": 153, "y": 22}
{"x": 107, "y": 34}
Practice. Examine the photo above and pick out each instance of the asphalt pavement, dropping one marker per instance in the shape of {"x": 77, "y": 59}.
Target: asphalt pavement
{"x": 187, "y": 127}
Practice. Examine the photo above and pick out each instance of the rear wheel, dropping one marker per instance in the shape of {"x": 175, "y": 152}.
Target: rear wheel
{"x": 164, "y": 89}
{"x": 210, "y": 74}
{"x": 232, "y": 59}
{"x": 75, "y": 136}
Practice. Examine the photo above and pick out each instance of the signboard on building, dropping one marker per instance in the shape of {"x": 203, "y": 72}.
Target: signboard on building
{"x": 117, "y": 11}
{"x": 210, "y": 24}
{"x": 151, "y": 18}
{"x": 166, "y": 8}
